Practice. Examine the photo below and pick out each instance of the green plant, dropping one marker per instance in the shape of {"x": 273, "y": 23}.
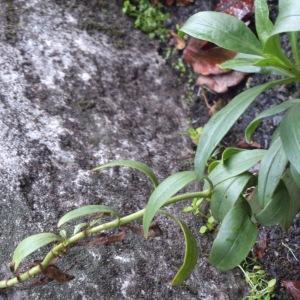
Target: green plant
{"x": 241, "y": 199}
{"x": 261, "y": 287}
{"x": 148, "y": 18}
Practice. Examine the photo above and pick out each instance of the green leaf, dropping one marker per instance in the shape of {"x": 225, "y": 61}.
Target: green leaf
{"x": 190, "y": 255}
{"x": 243, "y": 63}
{"x": 290, "y": 136}
{"x": 134, "y": 165}
{"x": 168, "y": 188}
{"x": 292, "y": 203}
{"x": 288, "y": 19}
{"x": 272, "y": 168}
{"x": 222, "y": 121}
{"x": 263, "y": 24}
{"x": 295, "y": 175}
{"x": 237, "y": 164}
{"x": 31, "y": 244}
{"x": 226, "y": 194}
{"x": 85, "y": 211}
{"x": 268, "y": 113}
{"x": 235, "y": 238}
{"x": 275, "y": 207}
{"x": 229, "y": 152}
{"x": 223, "y": 30}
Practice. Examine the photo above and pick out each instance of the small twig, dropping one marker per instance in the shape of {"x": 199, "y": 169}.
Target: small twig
{"x": 60, "y": 249}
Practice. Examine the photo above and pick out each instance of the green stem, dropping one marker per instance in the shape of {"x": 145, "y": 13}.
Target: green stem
{"x": 61, "y": 248}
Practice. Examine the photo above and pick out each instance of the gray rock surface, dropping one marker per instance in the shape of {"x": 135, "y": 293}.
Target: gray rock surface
{"x": 79, "y": 87}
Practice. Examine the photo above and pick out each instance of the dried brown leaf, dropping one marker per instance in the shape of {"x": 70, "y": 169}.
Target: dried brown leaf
{"x": 52, "y": 272}
{"x": 205, "y": 57}
{"x": 260, "y": 247}
{"x": 221, "y": 83}
{"x": 178, "y": 41}
{"x": 293, "y": 287}
{"x": 243, "y": 144}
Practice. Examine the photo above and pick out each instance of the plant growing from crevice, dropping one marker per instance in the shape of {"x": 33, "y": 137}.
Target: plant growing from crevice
{"x": 148, "y": 18}
{"x": 246, "y": 188}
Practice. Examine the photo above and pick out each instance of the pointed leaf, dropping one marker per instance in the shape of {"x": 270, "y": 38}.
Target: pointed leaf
{"x": 168, "y": 188}
{"x": 85, "y": 211}
{"x": 222, "y": 121}
{"x": 288, "y": 19}
{"x": 237, "y": 164}
{"x": 190, "y": 255}
{"x": 226, "y": 194}
{"x": 134, "y": 165}
{"x": 268, "y": 113}
{"x": 31, "y": 244}
{"x": 272, "y": 168}
{"x": 295, "y": 175}
{"x": 229, "y": 152}
{"x": 290, "y": 136}
{"x": 223, "y": 30}
{"x": 292, "y": 203}
{"x": 275, "y": 207}
{"x": 243, "y": 63}
{"x": 263, "y": 24}
{"x": 235, "y": 238}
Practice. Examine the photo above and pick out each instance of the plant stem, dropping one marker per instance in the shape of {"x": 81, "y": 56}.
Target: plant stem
{"x": 61, "y": 248}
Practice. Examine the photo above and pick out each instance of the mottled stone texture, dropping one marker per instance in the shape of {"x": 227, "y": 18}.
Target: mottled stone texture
{"x": 79, "y": 87}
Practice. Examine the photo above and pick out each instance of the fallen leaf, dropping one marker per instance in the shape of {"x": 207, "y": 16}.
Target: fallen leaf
{"x": 105, "y": 239}
{"x": 244, "y": 145}
{"x": 293, "y": 287}
{"x": 178, "y": 41}
{"x": 52, "y": 272}
{"x": 260, "y": 247}
{"x": 205, "y": 57}
{"x": 154, "y": 230}
{"x": 221, "y": 83}
{"x": 242, "y": 9}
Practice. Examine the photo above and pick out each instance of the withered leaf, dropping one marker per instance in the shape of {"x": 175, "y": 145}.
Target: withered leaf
{"x": 221, "y": 83}
{"x": 178, "y": 41}
{"x": 205, "y": 57}
{"x": 244, "y": 145}
{"x": 260, "y": 247}
{"x": 52, "y": 272}
{"x": 293, "y": 287}
{"x": 106, "y": 239}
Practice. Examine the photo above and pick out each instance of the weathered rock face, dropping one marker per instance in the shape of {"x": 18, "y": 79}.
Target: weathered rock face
{"x": 80, "y": 87}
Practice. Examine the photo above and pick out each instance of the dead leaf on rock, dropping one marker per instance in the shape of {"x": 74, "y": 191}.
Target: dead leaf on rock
{"x": 221, "y": 83}
{"x": 52, "y": 272}
{"x": 293, "y": 287}
{"x": 242, "y": 9}
{"x": 205, "y": 57}
{"x": 105, "y": 239}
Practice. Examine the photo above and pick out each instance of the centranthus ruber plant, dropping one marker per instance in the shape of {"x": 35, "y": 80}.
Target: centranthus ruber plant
{"x": 240, "y": 199}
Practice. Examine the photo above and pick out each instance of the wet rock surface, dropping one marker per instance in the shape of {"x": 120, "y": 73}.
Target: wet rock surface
{"x": 79, "y": 87}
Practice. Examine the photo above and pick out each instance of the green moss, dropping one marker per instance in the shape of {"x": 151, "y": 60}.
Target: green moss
{"x": 148, "y": 18}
